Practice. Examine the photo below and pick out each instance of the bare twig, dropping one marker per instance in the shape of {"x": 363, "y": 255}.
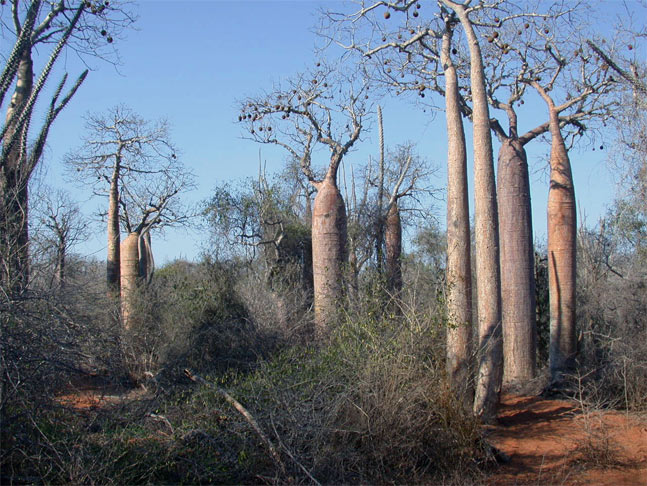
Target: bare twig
{"x": 243, "y": 411}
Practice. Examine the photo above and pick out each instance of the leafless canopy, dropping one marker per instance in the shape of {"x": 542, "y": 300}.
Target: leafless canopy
{"x": 151, "y": 176}
{"x": 321, "y": 106}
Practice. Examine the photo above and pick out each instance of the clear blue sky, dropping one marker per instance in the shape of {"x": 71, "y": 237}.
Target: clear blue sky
{"x": 189, "y": 61}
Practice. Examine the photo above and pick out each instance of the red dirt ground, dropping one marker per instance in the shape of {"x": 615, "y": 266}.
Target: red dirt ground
{"x": 556, "y": 442}
{"x": 93, "y": 392}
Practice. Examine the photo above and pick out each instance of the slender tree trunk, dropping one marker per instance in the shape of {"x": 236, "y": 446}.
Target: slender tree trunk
{"x": 490, "y": 369}
{"x": 393, "y": 243}
{"x": 328, "y": 252}
{"x": 517, "y": 264}
{"x": 13, "y": 190}
{"x": 113, "y": 261}
{"x": 353, "y": 274}
{"x": 60, "y": 265}
{"x": 381, "y": 219}
{"x": 562, "y": 227}
{"x": 459, "y": 265}
{"x": 129, "y": 276}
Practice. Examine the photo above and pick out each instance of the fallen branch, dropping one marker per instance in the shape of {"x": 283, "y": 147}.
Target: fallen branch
{"x": 287, "y": 451}
{"x": 243, "y": 411}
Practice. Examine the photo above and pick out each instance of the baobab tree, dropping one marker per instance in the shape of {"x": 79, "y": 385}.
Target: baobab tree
{"x": 412, "y": 56}
{"x": 149, "y": 202}
{"x": 320, "y": 107}
{"x": 512, "y": 35}
{"x": 510, "y": 57}
{"x": 120, "y": 150}
{"x": 571, "y": 71}
{"x": 488, "y": 382}
{"x": 459, "y": 268}
{"x": 82, "y": 26}
{"x": 400, "y": 175}
{"x": 418, "y": 40}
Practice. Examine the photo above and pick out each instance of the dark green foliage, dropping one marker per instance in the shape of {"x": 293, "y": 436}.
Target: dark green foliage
{"x": 543, "y": 308}
{"x": 191, "y": 316}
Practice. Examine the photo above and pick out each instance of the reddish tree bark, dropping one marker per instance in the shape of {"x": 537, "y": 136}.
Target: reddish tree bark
{"x": 136, "y": 267}
{"x": 490, "y": 366}
{"x": 562, "y": 235}
{"x": 328, "y": 251}
{"x": 113, "y": 259}
{"x": 393, "y": 243}
{"x": 562, "y": 246}
{"x": 517, "y": 263}
{"x": 459, "y": 265}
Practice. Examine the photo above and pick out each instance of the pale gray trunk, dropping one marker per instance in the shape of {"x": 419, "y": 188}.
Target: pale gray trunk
{"x": 60, "y": 264}
{"x": 129, "y": 277}
{"x": 14, "y": 196}
{"x": 381, "y": 220}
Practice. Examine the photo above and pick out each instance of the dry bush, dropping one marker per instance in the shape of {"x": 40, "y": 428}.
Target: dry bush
{"x": 597, "y": 449}
{"x": 190, "y": 316}
{"x": 211, "y": 317}
{"x": 279, "y": 303}
{"x": 612, "y": 305}
{"x": 371, "y": 406}
{"x": 49, "y": 337}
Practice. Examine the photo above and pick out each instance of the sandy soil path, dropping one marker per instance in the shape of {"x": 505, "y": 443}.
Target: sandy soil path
{"x": 556, "y": 442}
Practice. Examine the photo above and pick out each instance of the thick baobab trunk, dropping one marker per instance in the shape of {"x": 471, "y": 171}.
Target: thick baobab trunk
{"x": 459, "y": 265}
{"x": 129, "y": 276}
{"x": 393, "y": 243}
{"x": 146, "y": 261}
{"x": 13, "y": 188}
{"x": 517, "y": 264}
{"x": 490, "y": 365}
{"x": 562, "y": 226}
{"x": 328, "y": 252}
{"x": 112, "y": 264}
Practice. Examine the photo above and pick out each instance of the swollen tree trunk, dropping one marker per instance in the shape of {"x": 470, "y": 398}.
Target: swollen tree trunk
{"x": 146, "y": 261}
{"x": 328, "y": 252}
{"x": 129, "y": 277}
{"x": 490, "y": 366}
{"x": 137, "y": 268}
{"x": 562, "y": 226}
{"x": 459, "y": 266}
{"x": 13, "y": 188}
{"x": 113, "y": 260}
{"x": 393, "y": 243}
{"x": 517, "y": 263}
